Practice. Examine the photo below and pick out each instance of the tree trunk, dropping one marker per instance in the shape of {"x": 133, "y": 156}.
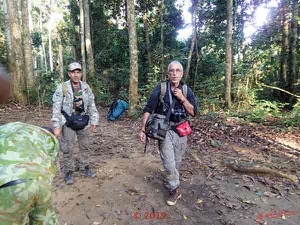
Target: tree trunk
{"x": 162, "y": 40}
{"x": 42, "y": 46}
{"x": 50, "y": 48}
{"x": 147, "y": 38}
{"x": 75, "y": 35}
{"x": 50, "y": 39}
{"x": 7, "y": 36}
{"x": 81, "y": 28}
{"x": 292, "y": 47}
{"x": 194, "y": 36}
{"x": 27, "y": 49}
{"x": 60, "y": 59}
{"x": 44, "y": 57}
{"x": 284, "y": 43}
{"x": 88, "y": 40}
{"x": 228, "y": 55}
{"x": 133, "y": 79}
{"x": 197, "y": 65}
{"x": 17, "y": 65}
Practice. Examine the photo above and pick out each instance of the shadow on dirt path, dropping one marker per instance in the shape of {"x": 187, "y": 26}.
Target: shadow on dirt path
{"x": 129, "y": 186}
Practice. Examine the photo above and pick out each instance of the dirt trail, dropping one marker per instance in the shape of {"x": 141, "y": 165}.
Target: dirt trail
{"x": 129, "y": 187}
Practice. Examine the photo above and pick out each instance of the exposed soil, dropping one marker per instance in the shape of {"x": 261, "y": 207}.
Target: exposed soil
{"x": 129, "y": 186}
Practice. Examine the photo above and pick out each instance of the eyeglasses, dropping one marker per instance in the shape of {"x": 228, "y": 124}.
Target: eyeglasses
{"x": 173, "y": 71}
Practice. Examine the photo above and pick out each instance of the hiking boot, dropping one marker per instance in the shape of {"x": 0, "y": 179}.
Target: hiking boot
{"x": 174, "y": 196}
{"x": 87, "y": 172}
{"x": 69, "y": 178}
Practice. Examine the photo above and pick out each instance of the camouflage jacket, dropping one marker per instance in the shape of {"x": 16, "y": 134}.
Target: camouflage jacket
{"x": 66, "y": 103}
{"x": 26, "y": 152}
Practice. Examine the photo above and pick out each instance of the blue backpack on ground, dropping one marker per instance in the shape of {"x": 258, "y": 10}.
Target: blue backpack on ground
{"x": 117, "y": 108}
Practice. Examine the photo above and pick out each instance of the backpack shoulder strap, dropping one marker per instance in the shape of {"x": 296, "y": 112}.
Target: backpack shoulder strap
{"x": 64, "y": 89}
{"x": 163, "y": 91}
{"x": 184, "y": 88}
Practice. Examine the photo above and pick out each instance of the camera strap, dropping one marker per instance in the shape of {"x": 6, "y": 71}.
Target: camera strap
{"x": 172, "y": 103}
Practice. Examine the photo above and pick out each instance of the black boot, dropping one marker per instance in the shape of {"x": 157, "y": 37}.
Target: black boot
{"x": 87, "y": 172}
{"x": 69, "y": 178}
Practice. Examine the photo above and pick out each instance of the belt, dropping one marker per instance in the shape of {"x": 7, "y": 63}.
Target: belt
{"x": 14, "y": 182}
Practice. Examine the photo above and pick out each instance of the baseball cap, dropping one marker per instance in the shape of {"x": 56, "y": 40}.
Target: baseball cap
{"x": 74, "y": 66}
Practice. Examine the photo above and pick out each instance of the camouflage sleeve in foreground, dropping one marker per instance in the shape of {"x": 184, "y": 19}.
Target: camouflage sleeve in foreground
{"x": 31, "y": 199}
{"x": 56, "y": 107}
{"x": 26, "y": 152}
{"x": 92, "y": 109}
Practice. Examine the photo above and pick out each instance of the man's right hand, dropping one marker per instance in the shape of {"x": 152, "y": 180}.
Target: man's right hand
{"x": 143, "y": 136}
{"x": 56, "y": 132}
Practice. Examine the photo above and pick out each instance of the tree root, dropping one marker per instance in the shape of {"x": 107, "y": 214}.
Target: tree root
{"x": 247, "y": 168}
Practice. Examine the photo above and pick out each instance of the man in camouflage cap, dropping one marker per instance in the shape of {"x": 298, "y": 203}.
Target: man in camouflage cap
{"x": 74, "y": 97}
{"x": 27, "y": 167}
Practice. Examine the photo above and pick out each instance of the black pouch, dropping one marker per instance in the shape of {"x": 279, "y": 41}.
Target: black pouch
{"x": 77, "y": 121}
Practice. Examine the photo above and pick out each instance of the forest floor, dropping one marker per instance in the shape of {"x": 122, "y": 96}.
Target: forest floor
{"x": 129, "y": 186}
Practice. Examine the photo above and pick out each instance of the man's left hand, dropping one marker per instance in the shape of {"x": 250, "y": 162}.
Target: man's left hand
{"x": 93, "y": 128}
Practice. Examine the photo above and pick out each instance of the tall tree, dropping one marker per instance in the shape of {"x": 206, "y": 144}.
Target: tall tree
{"x": 195, "y": 4}
{"x": 83, "y": 58}
{"x": 88, "y": 39}
{"x": 50, "y": 24}
{"x": 162, "y": 10}
{"x": 284, "y": 42}
{"x": 7, "y": 35}
{"x": 74, "y": 38}
{"x": 146, "y": 30}
{"x": 27, "y": 49}
{"x": 133, "y": 78}
{"x": 60, "y": 58}
{"x": 228, "y": 55}
{"x": 292, "y": 46}
{"x": 16, "y": 67}
{"x": 42, "y": 45}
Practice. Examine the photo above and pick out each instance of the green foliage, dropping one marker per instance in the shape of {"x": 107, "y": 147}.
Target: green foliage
{"x": 101, "y": 92}
{"x": 292, "y": 119}
{"x": 146, "y": 90}
{"x": 110, "y": 86}
{"x": 209, "y": 92}
{"x": 36, "y": 39}
{"x": 272, "y": 113}
{"x": 264, "y": 109}
{"x": 46, "y": 86}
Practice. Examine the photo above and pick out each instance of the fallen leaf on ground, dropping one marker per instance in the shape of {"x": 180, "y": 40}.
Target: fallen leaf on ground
{"x": 199, "y": 201}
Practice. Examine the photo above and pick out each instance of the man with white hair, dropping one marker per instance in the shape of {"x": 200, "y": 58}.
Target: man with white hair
{"x": 72, "y": 100}
{"x": 181, "y": 100}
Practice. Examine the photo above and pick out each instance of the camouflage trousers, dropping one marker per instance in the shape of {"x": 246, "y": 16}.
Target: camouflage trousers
{"x": 171, "y": 151}
{"x": 67, "y": 142}
{"x": 30, "y": 200}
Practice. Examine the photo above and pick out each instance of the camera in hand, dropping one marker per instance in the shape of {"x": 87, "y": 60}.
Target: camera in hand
{"x": 177, "y": 115}
{"x": 78, "y": 107}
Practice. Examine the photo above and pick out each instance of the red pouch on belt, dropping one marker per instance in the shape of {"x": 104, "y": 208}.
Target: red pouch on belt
{"x": 184, "y": 129}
